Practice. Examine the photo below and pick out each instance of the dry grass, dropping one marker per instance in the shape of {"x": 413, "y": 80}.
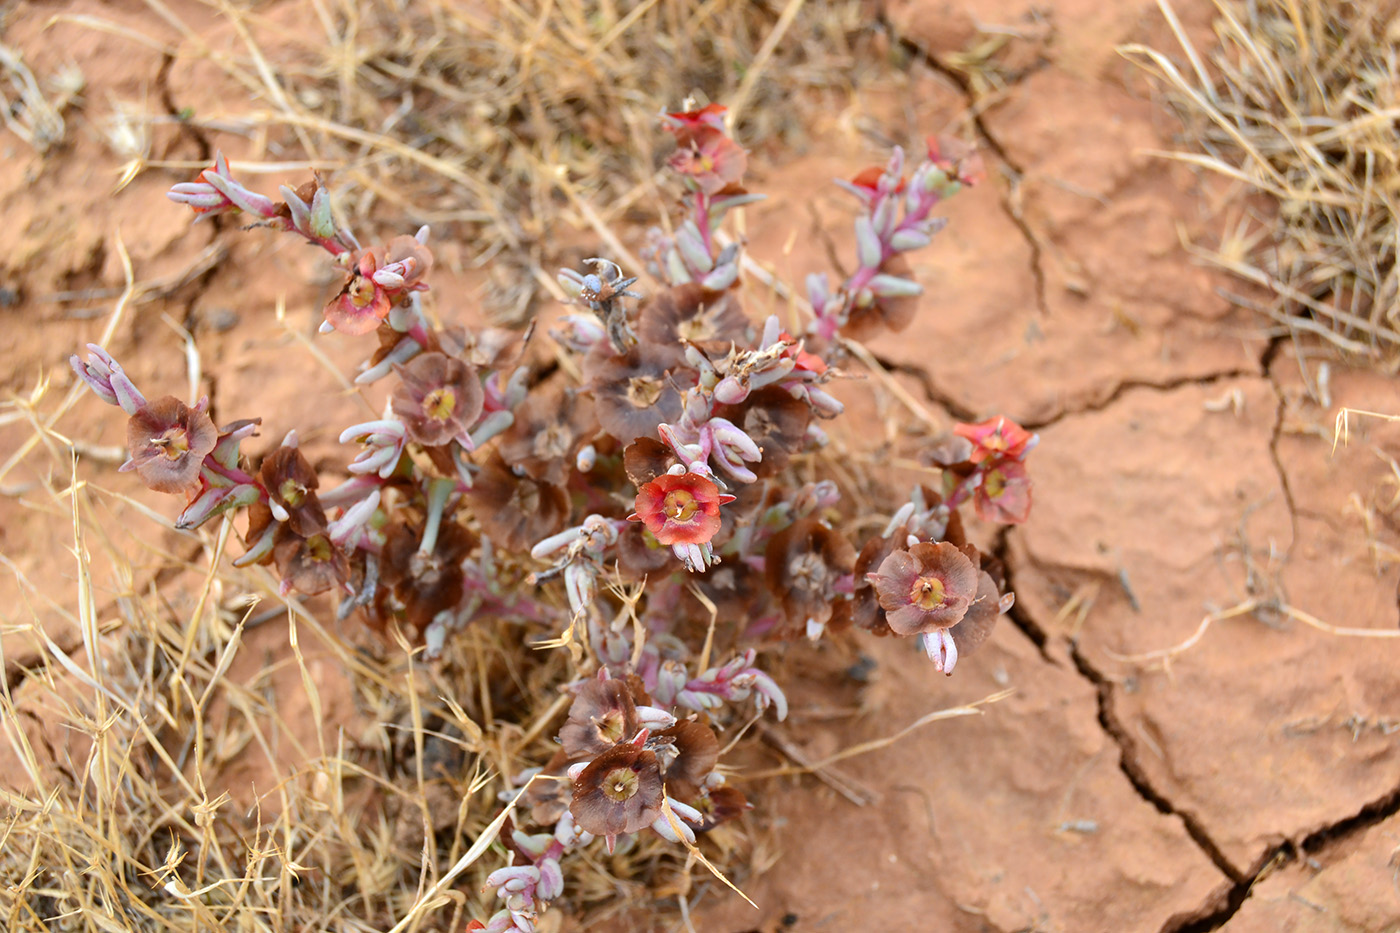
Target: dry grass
{"x": 492, "y": 121}
{"x": 1298, "y": 105}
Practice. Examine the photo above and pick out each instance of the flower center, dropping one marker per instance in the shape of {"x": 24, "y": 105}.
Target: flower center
{"x": 994, "y": 483}
{"x": 439, "y": 403}
{"x": 643, "y": 391}
{"x": 552, "y": 442}
{"x": 928, "y": 593}
{"x": 319, "y": 549}
{"x": 609, "y": 725}
{"x": 361, "y": 291}
{"x": 808, "y": 572}
{"x": 175, "y": 442}
{"x": 680, "y": 505}
{"x": 621, "y": 784}
{"x": 697, "y": 329}
{"x": 291, "y": 492}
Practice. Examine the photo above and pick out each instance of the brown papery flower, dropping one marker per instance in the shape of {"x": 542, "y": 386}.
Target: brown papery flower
{"x": 309, "y": 565}
{"x": 803, "y": 563}
{"x": 696, "y": 754}
{"x": 619, "y": 792}
{"x": 168, "y": 441}
{"x": 930, "y": 586}
{"x": 691, "y": 313}
{"x": 634, "y": 390}
{"x": 291, "y": 483}
{"x": 548, "y": 431}
{"x": 422, "y": 585}
{"x": 776, "y": 421}
{"x": 603, "y": 713}
{"x": 516, "y": 511}
{"x": 439, "y": 398}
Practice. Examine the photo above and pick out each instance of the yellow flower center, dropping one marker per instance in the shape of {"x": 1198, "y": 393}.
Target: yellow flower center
{"x": 175, "y": 442}
{"x": 621, "y": 784}
{"x": 680, "y": 505}
{"x": 361, "y": 291}
{"x": 928, "y": 593}
{"x": 439, "y": 403}
{"x": 994, "y": 483}
{"x": 643, "y": 391}
{"x": 319, "y": 549}
{"x": 291, "y": 492}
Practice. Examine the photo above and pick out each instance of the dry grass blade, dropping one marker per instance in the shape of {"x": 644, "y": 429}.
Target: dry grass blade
{"x": 1298, "y": 104}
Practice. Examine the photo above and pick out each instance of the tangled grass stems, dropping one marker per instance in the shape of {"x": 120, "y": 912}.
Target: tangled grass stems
{"x": 446, "y": 116}
{"x": 1298, "y": 104}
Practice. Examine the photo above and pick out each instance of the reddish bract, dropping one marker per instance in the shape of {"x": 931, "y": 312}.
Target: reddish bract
{"x": 996, "y": 438}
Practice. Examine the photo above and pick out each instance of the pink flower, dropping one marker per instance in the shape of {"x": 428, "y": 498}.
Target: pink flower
{"x": 711, "y": 160}
{"x": 439, "y": 399}
{"x": 680, "y": 508}
{"x": 362, "y": 303}
{"x": 1004, "y": 495}
{"x": 375, "y": 286}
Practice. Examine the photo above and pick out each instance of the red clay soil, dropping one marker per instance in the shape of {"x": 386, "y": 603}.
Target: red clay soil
{"x": 1249, "y": 781}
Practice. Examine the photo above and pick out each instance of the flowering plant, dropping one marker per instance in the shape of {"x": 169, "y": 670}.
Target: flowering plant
{"x": 669, "y": 465}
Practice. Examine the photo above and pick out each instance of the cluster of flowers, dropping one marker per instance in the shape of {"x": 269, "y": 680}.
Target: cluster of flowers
{"x": 669, "y": 464}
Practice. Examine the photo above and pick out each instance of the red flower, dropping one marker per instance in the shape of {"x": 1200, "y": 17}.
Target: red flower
{"x": 712, "y": 160}
{"x": 807, "y": 361}
{"x": 168, "y": 441}
{"x": 869, "y": 179}
{"x": 361, "y": 304}
{"x": 686, "y": 126}
{"x": 997, "y": 438}
{"x": 680, "y": 508}
{"x": 1004, "y": 495}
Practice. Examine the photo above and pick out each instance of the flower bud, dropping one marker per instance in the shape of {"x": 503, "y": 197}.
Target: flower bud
{"x": 322, "y": 223}
{"x": 730, "y": 391}
{"x": 571, "y": 281}
{"x": 216, "y": 501}
{"x": 586, "y": 458}
{"x": 868, "y": 248}
{"x": 105, "y": 377}
{"x": 676, "y": 271}
{"x": 892, "y": 286}
{"x": 720, "y": 205}
{"x": 721, "y": 277}
{"x": 909, "y": 238}
{"x": 300, "y": 210}
{"x": 692, "y": 247}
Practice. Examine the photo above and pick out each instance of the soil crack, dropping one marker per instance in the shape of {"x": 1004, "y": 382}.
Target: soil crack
{"x": 1128, "y": 385}
{"x": 1014, "y": 171}
{"x": 1266, "y": 360}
